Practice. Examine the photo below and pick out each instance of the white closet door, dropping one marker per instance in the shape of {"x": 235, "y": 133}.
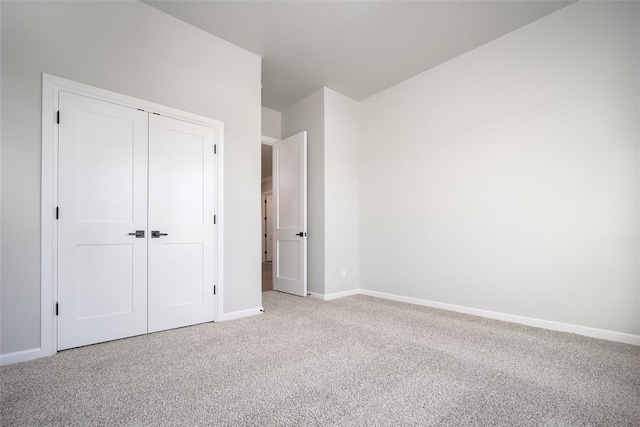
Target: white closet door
{"x": 181, "y": 214}
{"x": 102, "y": 269}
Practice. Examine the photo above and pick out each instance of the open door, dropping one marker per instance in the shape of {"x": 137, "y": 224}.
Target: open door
{"x": 290, "y": 209}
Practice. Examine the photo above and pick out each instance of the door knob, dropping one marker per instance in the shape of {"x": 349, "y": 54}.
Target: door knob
{"x": 139, "y": 234}
{"x": 156, "y": 233}
{"x": 300, "y": 234}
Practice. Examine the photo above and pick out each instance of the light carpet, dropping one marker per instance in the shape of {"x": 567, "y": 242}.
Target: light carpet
{"x": 353, "y": 361}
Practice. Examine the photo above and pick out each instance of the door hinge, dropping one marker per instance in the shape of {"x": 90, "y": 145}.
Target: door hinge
{"x": 215, "y": 148}
{"x": 56, "y": 308}
{"x": 215, "y": 219}
{"x": 58, "y": 117}
{"x": 57, "y": 212}
{"x": 215, "y": 290}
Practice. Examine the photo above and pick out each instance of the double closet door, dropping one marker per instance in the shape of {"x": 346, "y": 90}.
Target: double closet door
{"x": 136, "y": 231}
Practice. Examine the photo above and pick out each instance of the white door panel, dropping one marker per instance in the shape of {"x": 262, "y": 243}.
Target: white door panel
{"x": 181, "y": 207}
{"x": 290, "y": 213}
{"x": 106, "y": 290}
{"x": 181, "y": 264}
{"x": 102, "y": 270}
{"x": 177, "y": 174}
{"x": 104, "y": 167}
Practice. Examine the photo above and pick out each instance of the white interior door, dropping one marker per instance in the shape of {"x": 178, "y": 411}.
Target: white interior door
{"x": 290, "y": 219}
{"x": 102, "y": 198}
{"x": 181, "y": 214}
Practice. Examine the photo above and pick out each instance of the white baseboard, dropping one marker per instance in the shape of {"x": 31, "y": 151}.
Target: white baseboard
{"x": 240, "y": 314}
{"x": 21, "y": 356}
{"x": 35, "y": 353}
{"x": 335, "y": 295}
{"x": 513, "y": 318}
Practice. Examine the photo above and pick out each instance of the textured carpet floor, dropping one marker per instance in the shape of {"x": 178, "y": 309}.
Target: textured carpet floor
{"x": 352, "y": 361}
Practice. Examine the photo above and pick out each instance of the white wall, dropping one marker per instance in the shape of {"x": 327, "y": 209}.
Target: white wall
{"x": 308, "y": 115}
{"x": 508, "y": 178}
{"x": 271, "y": 123}
{"x": 331, "y": 120}
{"x": 341, "y": 192}
{"x": 134, "y": 49}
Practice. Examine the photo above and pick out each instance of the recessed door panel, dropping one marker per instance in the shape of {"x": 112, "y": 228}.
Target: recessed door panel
{"x": 105, "y": 282}
{"x": 289, "y": 256}
{"x": 181, "y": 215}
{"x": 181, "y": 280}
{"x": 181, "y": 200}
{"x": 102, "y": 195}
{"x": 104, "y": 165}
{"x": 288, "y": 178}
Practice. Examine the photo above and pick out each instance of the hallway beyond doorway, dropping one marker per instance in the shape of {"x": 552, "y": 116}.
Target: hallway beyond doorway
{"x": 267, "y": 276}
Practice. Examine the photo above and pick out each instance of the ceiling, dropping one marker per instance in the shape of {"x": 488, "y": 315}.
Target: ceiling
{"x": 357, "y": 48}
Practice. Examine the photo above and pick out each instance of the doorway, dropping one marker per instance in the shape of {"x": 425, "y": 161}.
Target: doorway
{"x": 284, "y": 234}
{"x": 267, "y": 212}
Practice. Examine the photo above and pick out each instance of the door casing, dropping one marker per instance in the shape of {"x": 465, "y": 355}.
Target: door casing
{"x": 266, "y": 230}
{"x": 51, "y": 86}
{"x": 265, "y": 140}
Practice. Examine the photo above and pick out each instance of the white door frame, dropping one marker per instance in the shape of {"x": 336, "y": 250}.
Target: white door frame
{"x": 263, "y": 206}
{"x": 51, "y": 87}
{"x": 265, "y": 140}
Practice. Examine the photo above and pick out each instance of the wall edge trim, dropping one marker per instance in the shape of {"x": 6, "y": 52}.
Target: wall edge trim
{"x": 587, "y": 331}
{"x": 335, "y": 295}
{"x": 21, "y": 356}
{"x": 241, "y": 313}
